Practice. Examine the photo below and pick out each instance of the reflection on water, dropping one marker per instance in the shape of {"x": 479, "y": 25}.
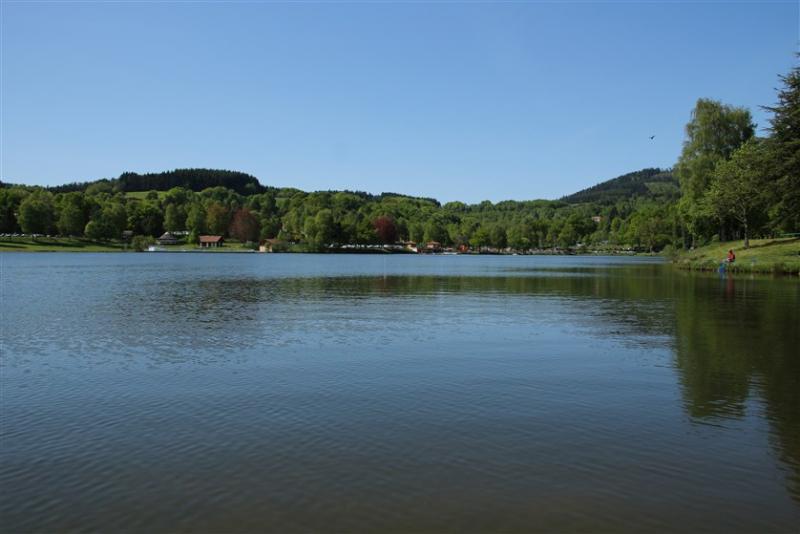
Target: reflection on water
{"x": 242, "y": 392}
{"x": 738, "y": 345}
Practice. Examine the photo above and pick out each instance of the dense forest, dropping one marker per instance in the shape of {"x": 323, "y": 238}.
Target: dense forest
{"x": 727, "y": 183}
{"x": 645, "y": 183}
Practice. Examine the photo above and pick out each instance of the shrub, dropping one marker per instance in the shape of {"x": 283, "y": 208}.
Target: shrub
{"x": 669, "y": 252}
{"x": 141, "y": 242}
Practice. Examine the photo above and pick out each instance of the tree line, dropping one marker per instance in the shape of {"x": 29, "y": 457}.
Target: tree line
{"x": 727, "y": 183}
{"x": 318, "y": 219}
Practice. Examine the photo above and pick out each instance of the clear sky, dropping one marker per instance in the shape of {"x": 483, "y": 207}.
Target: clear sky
{"x": 454, "y": 100}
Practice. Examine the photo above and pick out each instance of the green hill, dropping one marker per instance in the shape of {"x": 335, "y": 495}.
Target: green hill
{"x": 648, "y": 183}
{"x": 193, "y": 179}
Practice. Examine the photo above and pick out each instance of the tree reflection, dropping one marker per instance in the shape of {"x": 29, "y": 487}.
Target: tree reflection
{"x": 737, "y": 338}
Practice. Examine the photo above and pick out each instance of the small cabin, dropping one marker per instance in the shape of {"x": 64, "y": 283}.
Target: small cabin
{"x": 167, "y": 238}
{"x": 211, "y": 241}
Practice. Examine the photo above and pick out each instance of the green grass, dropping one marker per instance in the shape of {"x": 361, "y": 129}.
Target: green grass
{"x": 59, "y": 244}
{"x": 75, "y": 244}
{"x": 780, "y": 256}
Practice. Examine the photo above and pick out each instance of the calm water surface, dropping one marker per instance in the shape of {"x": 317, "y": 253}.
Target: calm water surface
{"x": 211, "y": 392}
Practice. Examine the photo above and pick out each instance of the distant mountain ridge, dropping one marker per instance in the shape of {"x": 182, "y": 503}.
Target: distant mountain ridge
{"x": 649, "y": 183}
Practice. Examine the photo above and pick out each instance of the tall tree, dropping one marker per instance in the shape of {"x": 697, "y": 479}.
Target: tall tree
{"x": 145, "y": 218}
{"x": 784, "y": 151}
{"x": 174, "y": 218}
{"x": 385, "y": 229}
{"x": 36, "y": 213}
{"x": 740, "y": 186}
{"x": 435, "y": 231}
{"x": 196, "y": 220}
{"x": 714, "y": 132}
{"x": 217, "y": 218}
{"x": 71, "y": 217}
{"x": 244, "y": 226}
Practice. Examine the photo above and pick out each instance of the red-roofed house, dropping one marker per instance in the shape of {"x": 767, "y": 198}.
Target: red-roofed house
{"x": 208, "y": 241}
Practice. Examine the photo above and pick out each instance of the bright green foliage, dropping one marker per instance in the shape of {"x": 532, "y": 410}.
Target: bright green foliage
{"x": 714, "y": 132}
{"x": 196, "y": 220}
{"x": 416, "y": 231}
{"x": 320, "y": 230}
{"x": 218, "y": 218}
{"x": 71, "y": 215}
{"x": 435, "y": 231}
{"x": 174, "y": 218}
{"x": 480, "y": 238}
{"x": 517, "y": 237}
{"x": 650, "y": 227}
{"x": 740, "y": 187}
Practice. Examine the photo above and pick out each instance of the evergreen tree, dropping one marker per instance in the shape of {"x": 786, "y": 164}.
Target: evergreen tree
{"x": 784, "y": 152}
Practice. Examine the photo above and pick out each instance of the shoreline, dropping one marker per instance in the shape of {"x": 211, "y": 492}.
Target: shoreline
{"x": 780, "y": 256}
{"x": 69, "y": 244}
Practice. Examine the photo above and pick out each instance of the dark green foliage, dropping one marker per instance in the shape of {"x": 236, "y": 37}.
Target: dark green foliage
{"x": 141, "y": 242}
{"x": 10, "y": 199}
{"x": 646, "y": 183}
{"x": 218, "y": 218}
{"x": 146, "y": 218}
{"x": 174, "y": 218}
{"x": 192, "y": 179}
{"x": 36, "y": 213}
{"x": 72, "y": 214}
{"x": 783, "y": 148}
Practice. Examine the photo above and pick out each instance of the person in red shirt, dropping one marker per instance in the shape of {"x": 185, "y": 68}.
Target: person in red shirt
{"x": 731, "y": 256}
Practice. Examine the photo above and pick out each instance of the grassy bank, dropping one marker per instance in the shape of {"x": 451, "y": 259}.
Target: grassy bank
{"x": 76, "y": 244}
{"x": 59, "y": 244}
{"x": 779, "y": 256}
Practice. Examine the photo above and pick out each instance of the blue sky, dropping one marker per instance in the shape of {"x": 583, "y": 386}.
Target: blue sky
{"x": 466, "y": 101}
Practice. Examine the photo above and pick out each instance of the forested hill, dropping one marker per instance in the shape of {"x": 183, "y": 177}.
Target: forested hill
{"x": 192, "y": 179}
{"x": 647, "y": 183}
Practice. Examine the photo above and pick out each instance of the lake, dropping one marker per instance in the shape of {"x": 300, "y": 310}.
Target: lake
{"x": 244, "y": 392}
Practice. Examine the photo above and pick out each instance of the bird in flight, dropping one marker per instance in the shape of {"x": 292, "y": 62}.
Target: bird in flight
{"x": 652, "y": 137}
